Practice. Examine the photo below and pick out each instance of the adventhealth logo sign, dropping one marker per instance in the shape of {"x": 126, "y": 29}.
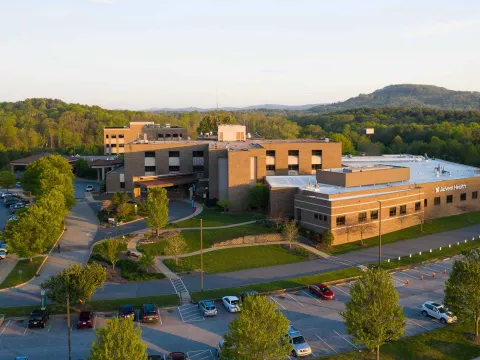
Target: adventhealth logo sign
{"x": 450, "y": 188}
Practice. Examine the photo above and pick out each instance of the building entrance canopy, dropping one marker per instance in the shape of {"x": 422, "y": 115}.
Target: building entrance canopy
{"x": 165, "y": 180}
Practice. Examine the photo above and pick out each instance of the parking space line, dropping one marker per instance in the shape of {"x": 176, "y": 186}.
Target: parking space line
{"x": 291, "y": 297}
{"x": 195, "y": 353}
{"x": 50, "y": 326}
{"x": 437, "y": 266}
{"x": 25, "y": 330}
{"x": 318, "y": 301}
{"x": 413, "y": 322}
{"x": 5, "y": 327}
{"x": 277, "y": 303}
{"x": 160, "y": 318}
{"x": 341, "y": 290}
{"x": 344, "y": 338}
{"x": 94, "y": 322}
{"x": 405, "y": 273}
{"x": 326, "y": 343}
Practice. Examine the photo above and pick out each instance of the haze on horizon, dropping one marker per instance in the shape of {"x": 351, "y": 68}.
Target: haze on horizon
{"x": 149, "y": 53}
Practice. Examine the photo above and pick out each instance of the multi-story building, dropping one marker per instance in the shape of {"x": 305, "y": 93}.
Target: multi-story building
{"x": 223, "y": 169}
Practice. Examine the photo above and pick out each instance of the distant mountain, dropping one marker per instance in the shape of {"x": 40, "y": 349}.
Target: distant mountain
{"x": 408, "y": 95}
{"x": 253, "y": 107}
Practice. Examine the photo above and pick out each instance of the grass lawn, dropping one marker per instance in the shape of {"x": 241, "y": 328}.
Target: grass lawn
{"x": 234, "y": 259}
{"x": 214, "y": 217}
{"x": 28, "y": 272}
{"x": 192, "y": 237}
{"x": 446, "y": 343}
{"x": 279, "y": 284}
{"x": 430, "y": 227}
{"x": 99, "y": 305}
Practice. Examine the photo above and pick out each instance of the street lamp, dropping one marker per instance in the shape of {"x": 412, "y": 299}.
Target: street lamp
{"x": 380, "y": 233}
{"x": 201, "y": 255}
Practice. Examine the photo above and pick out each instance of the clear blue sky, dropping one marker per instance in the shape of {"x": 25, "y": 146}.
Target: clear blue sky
{"x": 139, "y": 54}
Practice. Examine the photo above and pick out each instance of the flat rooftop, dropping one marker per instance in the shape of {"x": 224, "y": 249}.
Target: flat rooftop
{"x": 422, "y": 171}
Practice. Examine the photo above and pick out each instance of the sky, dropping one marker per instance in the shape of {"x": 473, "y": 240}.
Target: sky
{"x": 140, "y": 54}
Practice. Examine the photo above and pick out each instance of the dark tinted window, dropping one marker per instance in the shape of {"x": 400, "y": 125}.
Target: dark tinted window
{"x": 449, "y": 199}
{"x": 292, "y": 152}
{"x": 293, "y": 167}
{"x": 340, "y": 220}
{"x": 436, "y": 201}
{"x": 270, "y": 152}
{"x": 150, "y": 154}
{"x": 374, "y": 214}
{"x": 316, "y": 152}
{"x": 463, "y": 197}
{"x": 174, "y": 154}
{"x": 198, "y": 154}
{"x": 271, "y": 167}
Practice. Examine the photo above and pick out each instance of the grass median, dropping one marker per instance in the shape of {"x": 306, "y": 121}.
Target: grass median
{"x": 210, "y": 237}
{"x": 430, "y": 227}
{"x": 96, "y": 305}
{"x": 28, "y": 269}
{"x": 279, "y": 284}
{"x": 238, "y": 258}
{"x": 214, "y": 217}
{"x": 447, "y": 343}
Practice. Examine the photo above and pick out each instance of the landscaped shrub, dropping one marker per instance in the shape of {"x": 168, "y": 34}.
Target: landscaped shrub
{"x": 131, "y": 271}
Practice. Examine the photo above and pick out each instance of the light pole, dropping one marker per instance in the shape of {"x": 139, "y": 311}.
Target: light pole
{"x": 201, "y": 255}
{"x": 67, "y": 285}
{"x": 380, "y": 234}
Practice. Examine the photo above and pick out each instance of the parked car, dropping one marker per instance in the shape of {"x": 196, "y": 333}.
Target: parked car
{"x": 300, "y": 345}
{"x": 18, "y": 185}
{"x": 12, "y": 218}
{"x": 149, "y": 313}
{"x": 127, "y": 312}
{"x": 89, "y": 188}
{"x": 85, "y": 319}
{"x": 244, "y": 294}
{"x": 3, "y": 246}
{"x": 17, "y": 205}
{"x": 177, "y": 356}
{"x": 11, "y": 200}
{"x": 322, "y": 291}
{"x": 38, "y": 318}
{"x": 438, "y": 311}
{"x": 134, "y": 254}
{"x": 219, "y": 347}
{"x": 231, "y": 303}
{"x": 3, "y": 254}
{"x": 6, "y": 194}
{"x": 207, "y": 308}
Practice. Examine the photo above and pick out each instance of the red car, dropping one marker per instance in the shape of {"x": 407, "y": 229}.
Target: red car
{"x": 85, "y": 320}
{"x": 322, "y": 291}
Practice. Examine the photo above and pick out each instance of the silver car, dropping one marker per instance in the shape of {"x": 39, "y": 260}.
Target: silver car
{"x": 207, "y": 308}
{"x": 299, "y": 343}
{"x": 438, "y": 311}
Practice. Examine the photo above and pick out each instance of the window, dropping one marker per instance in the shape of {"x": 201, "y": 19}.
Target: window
{"x": 475, "y": 195}
{"x": 362, "y": 217}
{"x": 175, "y": 135}
{"x": 393, "y": 211}
{"x": 121, "y": 145}
{"x": 122, "y": 185}
{"x": 168, "y": 136}
{"x": 316, "y": 166}
{"x": 149, "y": 154}
{"x": 174, "y": 168}
{"x": 463, "y": 196}
{"x": 324, "y": 217}
{"x": 299, "y": 214}
{"x": 425, "y": 202}
{"x": 149, "y": 168}
{"x": 198, "y": 154}
{"x": 293, "y": 167}
{"x": 198, "y": 168}
{"x": 174, "y": 154}
{"x": 107, "y": 136}
{"x": 449, "y": 199}
{"x": 292, "y": 152}
{"x": 108, "y": 145}
{"x": 316, "y": 216}
{"x": 436, "y": 201}
{"x": 113, "y": 145}
{"x": 403, "y": 209}
{"x": 270, "y": 167}
{"x": 270, "y": 152}
{"x": 114, "y": 136}
{"x": 418, "y": 206}
{"x": 121, "y": 136}
{"x": 374, "y": 214}
{"x": 340, "y": 220}
{"x": 159, "y": 136}
{"x": 316, "y": 152}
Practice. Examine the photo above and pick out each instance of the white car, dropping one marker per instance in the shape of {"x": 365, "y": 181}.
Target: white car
{"x": 89, "y": 188}
{"x": 438, "y": 311}
{"x": 3, "y": 254}
{"x": 231, "y": 303}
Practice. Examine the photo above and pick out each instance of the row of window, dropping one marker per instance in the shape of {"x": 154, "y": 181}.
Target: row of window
{"x": 295, "y": 152}
{"x": 362, "y": 217}
{"x": 294, "y": 167}
{"x": 196, "y": 168}
{"x": 121, "y": 136}
{"x": 449, "y": 198}
{"x": 151, "y": 154}
{"x": 168, "y": 136}
{"x": 115, "y": 145}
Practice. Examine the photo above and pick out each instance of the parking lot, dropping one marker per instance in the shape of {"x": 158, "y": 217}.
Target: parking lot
{"x": 183, "y": 328}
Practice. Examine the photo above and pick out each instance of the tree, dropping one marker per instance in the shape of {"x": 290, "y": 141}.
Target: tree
{"x": 124, "y": 210}
{"x": 223, "y": 204}
{"x": 290, "y": 232}
{"x": 7, "y": 179}
{"x": 110, "y": 249}
{"x": 420, "y": 217}
{"x": 462, "y": 289}
{"x": 258, "y": 197}
{"x": 278, "y": 218}
{"x": 349, "y": 228}
{"x": 210, "y": 122}
{"x": 120, "y": 340}
{"x": 347, "y": 145}
{"x": 80, "y": 283}
{"x": 372, "y": 314}
{"x": 156, "y": 208}
{"x": 146, "y": 260}
{"x": 258, "y": 333}
{"x": 364, "y": 228}
{"x": 401, "y": 220}
{"x": 176, "y": 246}
{"x": 84, "y": 171}
{"x": 328, "y": 238}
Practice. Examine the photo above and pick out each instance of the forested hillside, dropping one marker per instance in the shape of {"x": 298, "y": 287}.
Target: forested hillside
{"x": 36, "y": 125}
{"x": 408, "y": 95}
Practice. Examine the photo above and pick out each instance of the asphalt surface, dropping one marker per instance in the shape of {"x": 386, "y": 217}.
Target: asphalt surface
{"x": 185, "y": 329}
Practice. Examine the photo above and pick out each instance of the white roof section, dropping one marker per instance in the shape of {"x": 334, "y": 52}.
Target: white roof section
{"x": 422, "y": 170}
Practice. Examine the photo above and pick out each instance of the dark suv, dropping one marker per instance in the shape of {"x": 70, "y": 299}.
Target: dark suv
{"x": 38, "y": 318}
{"x": 177, "y": 356}
{"x": 85, "y": 320}
{"x": 127, "y": 312}
{"x": 149, "y": 313}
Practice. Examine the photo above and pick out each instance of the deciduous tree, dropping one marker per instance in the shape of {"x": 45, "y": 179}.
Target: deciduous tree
{"x": 120, "y": 340}
{"x": 7, "y": 179}
{"x": 365, "y": 228}
{"x": 176, "y": 246}
{"x": 462, "y": 289}
{"x": 258, "y": 197}
{"x": 156, "y": 208}
{"x": 290, "y": 232}
{"x": 328, "y": 238}
{"x": 110, "y": 249}
{"x": 258, "y": 333}
{"x": 372, "y": 314}
{"x": 146, "y": 260}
